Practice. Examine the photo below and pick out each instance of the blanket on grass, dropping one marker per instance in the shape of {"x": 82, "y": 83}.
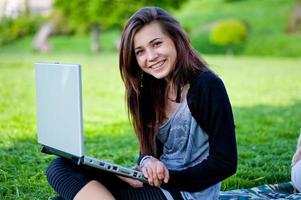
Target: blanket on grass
{"x": 263, "y": 192}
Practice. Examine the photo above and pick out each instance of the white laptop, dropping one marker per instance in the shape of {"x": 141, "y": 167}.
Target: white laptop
{"x": 60, "y": 119}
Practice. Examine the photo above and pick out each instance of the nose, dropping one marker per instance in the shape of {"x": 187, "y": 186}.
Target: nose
{"x": 151, "y": 55}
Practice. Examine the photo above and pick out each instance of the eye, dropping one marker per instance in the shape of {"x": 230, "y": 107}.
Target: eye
{"x": 139, "y": 52}
{"x": 157, "y": 43}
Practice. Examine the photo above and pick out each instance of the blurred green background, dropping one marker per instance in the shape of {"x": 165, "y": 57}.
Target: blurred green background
{"x": 270, "y": 27}
{"x": 253, "y": 45}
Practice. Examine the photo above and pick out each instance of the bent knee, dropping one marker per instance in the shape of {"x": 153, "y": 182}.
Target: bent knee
{"x": 296, "y": 175}
{"x": 57, "y": 166}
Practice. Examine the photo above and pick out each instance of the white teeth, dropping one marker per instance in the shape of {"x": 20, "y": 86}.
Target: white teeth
{"x": 157, "y": 64}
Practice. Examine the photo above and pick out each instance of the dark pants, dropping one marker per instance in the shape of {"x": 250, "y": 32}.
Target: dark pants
{"x": 67, "y": 179}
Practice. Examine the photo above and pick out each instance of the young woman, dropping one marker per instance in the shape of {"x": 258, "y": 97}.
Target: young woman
{"x": 180, "y": 112}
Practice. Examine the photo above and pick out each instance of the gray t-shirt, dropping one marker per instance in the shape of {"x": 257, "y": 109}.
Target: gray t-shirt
{"x": 185, "y": 144}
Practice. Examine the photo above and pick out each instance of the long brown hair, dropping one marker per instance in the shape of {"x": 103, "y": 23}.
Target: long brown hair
{"x": 146, "y": 95}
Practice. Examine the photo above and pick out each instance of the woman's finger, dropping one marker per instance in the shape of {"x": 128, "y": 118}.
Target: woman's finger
{"x": 160, "y": 171}
{"x": 156, "y": 170}
{"x": 166, "y": 175}
{"x": 150, "y": 177}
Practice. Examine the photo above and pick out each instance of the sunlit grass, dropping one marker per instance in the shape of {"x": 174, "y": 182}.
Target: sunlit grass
{"x": 265, "y": 95}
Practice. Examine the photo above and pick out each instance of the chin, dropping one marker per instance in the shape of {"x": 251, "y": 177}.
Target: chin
{"x": 159, "y": 76}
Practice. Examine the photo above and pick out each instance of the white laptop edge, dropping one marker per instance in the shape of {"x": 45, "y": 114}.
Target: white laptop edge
{"x": 77, "y": 157}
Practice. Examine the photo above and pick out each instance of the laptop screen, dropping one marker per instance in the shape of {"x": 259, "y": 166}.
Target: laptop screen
{"x": 59, "y": 107}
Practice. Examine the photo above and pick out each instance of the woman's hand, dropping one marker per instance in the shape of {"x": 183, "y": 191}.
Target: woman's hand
{"x": 132, "y": 182}
{"x": 155, "y": 171}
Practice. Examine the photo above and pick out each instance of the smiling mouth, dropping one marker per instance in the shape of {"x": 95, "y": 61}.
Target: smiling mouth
{"x": 157, "y": 65}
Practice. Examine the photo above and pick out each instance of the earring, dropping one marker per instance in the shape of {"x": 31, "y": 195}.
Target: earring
{"x": 141, "y": 80}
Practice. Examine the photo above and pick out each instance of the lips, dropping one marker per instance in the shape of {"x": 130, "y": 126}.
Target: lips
{"x": 157, "y": 64}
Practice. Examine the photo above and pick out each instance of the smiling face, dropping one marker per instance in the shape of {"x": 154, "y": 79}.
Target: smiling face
{"x": 155, "y": 52}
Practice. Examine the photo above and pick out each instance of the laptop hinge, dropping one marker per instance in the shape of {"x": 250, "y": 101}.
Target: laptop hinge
{"x": 52, "y": 151}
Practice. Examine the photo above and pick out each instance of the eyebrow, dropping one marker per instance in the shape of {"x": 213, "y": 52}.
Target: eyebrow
{"x": 152, "y": 41}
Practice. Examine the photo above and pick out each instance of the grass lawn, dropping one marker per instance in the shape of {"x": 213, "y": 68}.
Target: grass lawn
{"x": 267, "y": 22}
{"x": 265, "y": 94}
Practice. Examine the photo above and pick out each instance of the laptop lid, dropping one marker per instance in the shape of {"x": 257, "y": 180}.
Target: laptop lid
{"x": 59, "y": 107}
{"x": 59, "y": 117}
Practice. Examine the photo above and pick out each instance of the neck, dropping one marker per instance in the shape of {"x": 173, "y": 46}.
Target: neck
{"x": 175, "y": 93}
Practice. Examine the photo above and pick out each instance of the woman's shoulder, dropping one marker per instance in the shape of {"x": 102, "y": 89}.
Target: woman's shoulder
{"x": 206, "y": 80}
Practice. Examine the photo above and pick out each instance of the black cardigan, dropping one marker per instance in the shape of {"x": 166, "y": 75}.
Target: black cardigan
{"x": 210, "y": 106}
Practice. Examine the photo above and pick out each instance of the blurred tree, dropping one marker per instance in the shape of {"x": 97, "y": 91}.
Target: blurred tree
{"x": 294, "y": 21}
{"x": 40, "y": 41}
{"x": 26, "y": 8}
{"x": 98, "y": 15}
{"x": 15, "y": 25}
{"x": 228, "y": 33}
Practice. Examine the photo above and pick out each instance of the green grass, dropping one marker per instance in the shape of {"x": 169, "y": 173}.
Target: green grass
{"x": 267, "y": 21}
{"x": 265, "y": 94}
{"x": 77, "y": 44}
{"x": 258, "y": 13}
